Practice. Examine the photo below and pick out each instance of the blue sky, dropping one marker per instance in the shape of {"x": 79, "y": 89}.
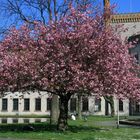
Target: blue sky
{"x": 127, "y": 6}
{"x": 123, "y": 6}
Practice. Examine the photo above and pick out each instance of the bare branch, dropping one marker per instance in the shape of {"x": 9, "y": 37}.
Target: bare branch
{"x": 15, "y": 12}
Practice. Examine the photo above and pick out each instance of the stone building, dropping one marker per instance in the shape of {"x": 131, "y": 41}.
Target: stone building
{"x": 130, "y": 22}
{"x": 40, "y": 104}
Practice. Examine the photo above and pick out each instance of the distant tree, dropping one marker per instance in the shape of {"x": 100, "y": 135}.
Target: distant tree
{"x": 70, "y": 56}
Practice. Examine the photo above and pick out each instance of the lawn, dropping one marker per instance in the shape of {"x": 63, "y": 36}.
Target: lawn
{"x": 92, "y": 129}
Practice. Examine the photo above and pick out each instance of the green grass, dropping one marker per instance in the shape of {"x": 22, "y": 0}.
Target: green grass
{"x": 78, "y": 130}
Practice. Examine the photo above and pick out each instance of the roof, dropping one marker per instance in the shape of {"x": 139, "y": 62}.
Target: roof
{"x": 125, "y": 17}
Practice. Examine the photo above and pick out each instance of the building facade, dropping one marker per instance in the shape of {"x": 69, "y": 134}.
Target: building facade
{"x": 34, "y": 103}
{"x": 131, "y": 25}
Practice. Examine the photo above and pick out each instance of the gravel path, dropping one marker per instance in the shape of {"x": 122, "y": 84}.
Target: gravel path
{"x": 114, "y": 123}
{"x": 106, "y": 123}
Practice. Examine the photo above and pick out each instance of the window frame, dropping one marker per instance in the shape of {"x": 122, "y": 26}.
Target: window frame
{"x": 15, "y": 104}
{"x": 3, "y": 106}
{"x": 26, "y": 104}
{"x": 37, "y": 104}
{"x": 85, "y": 104}
{"x": 121, "y": 106}
{"x": 49, "y": 102}
{"x": 98, "y": 104}
{"x": 73, "y": 103}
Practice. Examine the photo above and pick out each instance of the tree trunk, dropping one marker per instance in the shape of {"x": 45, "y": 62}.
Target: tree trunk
{"x": 106, "y": 108}
{"x": 54, "y": 109}
{"x": 109, "y": 101}
{"x": 79, "y": 107}
{"x": 63, "y": 116}
{"x": 112, "y": 106}
{"x": 112, "y": 109}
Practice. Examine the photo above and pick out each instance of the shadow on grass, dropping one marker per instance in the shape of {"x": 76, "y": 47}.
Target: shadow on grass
{"x": 89, "y": 138}
{"x": 37, "y": 127}
{"x": 81, "y": 128}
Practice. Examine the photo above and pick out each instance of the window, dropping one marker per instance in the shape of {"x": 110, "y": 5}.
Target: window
{"x": 15, "y": 104}
{"x": 97, "y": 104}
{"x": 49, "y": 100}
{"x": 15, "y": 120}
{"x": 137, "y": 107}
{"x": 26, "y": 104}
{"x": 37, "y": 120}
{"x": 26, "y": 120}
{"x": 136, "y": 57}
{"x": 85, "y": 104}
{"x": 38, "y": 104}
{"x": 4, "y": 104}
{"x": 73, "y": 104}
{"x": 120, "y": 105}
{"x": 3, "y": 120}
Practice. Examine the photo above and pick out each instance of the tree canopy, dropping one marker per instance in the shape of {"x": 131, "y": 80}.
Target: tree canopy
{"x": 76, "y": 53}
